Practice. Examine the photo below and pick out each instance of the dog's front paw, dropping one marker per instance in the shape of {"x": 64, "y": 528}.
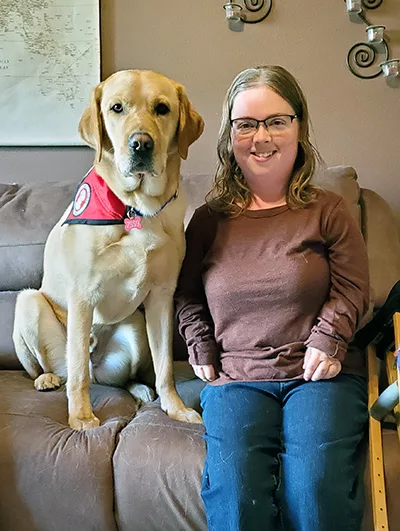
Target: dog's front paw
{"x": 47, "y": 382}
{"x": 88, "y": 423}
{"x": 186, "y": 415}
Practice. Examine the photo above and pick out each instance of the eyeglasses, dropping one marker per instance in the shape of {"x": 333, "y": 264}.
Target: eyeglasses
{"x": 275, "y": 125}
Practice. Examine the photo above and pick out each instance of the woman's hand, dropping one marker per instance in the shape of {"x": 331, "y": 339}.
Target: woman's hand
{"x": 319, "y": 366}
{"x": 205, "y": 372}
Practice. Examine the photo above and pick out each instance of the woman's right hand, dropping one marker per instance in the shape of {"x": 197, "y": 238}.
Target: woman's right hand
{"x": 205, "y": 372}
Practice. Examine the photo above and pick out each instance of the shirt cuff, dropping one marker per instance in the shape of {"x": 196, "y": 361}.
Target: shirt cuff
{"x": 203, "y": 354}
{"x": 333, "y": 347}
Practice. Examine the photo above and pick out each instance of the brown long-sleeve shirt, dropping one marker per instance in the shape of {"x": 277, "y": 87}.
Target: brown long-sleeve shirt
{"x": 256, "y": 290}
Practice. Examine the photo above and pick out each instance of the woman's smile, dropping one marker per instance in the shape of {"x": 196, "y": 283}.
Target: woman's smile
{"x": 264, "y": 156}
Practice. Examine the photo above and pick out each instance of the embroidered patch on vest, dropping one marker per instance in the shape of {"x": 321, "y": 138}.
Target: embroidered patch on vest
{"x": 82, "y": 199}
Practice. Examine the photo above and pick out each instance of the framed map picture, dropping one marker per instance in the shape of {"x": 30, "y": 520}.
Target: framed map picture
{"x": 49, "y": 64}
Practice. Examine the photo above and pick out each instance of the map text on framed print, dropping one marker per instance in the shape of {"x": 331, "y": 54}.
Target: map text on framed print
{"x": 49, "y": 64}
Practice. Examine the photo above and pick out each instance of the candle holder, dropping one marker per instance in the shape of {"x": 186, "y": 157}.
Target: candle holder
{"x": 375, "y": 33}
{"x": 390, "y": 68}
{"x": 249, "y": 11}
{"x": 233, "y": 11}
{"x": 353, "y": 6}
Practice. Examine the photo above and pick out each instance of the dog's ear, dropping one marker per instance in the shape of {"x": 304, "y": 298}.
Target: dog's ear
{"x": 191, "y": 124}
{"x": 91, "y": 126}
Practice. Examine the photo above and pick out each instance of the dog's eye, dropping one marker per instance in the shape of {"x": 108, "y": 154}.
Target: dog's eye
{"x": 161, "y": 109}
{"x": 117, "y": 107}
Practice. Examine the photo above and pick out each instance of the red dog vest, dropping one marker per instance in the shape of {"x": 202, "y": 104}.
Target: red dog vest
{"x": 96, "y": 204}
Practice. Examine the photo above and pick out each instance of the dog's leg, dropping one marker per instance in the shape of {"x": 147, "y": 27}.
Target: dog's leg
{"x": 80, "y": 314}
{"x": 39, "y": 340}
{"x": 159, "y": 321}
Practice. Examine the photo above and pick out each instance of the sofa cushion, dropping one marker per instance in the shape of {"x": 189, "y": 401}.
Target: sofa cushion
{"x": 195, "y": 188}
{"x": 27, "y": 214}
{"x": 157, "y": 469}
{"x": 53, "y": 477}
{"x": 343, "y": 181}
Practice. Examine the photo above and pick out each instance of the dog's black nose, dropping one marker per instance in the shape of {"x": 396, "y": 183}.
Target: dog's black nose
{"x": 141, "y": 142}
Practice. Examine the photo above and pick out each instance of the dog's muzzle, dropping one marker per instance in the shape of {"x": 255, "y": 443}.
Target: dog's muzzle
{"x": 141, "y": 147}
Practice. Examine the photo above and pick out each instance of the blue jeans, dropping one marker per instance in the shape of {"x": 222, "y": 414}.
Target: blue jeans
{"x": 285, "y": 455}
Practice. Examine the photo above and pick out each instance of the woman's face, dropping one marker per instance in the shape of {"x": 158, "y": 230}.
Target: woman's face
{"x": 262, "y": 155}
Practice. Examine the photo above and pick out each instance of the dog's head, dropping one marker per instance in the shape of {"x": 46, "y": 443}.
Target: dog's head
{"x": 136, "y": 120}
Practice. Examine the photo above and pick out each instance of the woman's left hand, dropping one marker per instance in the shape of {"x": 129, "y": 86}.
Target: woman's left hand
{"x": 319, "y": 366}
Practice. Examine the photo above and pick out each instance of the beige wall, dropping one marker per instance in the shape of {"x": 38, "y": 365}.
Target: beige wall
{"x": 356, "y": 121}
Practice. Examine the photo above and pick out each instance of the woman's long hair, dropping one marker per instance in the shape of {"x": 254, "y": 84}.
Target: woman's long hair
{"x": 230, "y": 193}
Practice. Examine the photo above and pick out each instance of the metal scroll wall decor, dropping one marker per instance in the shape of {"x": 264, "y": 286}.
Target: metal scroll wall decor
{"x": 364, "y": 55}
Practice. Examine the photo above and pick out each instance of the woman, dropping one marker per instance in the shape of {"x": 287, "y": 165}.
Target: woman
{"x": 272, "y": 288}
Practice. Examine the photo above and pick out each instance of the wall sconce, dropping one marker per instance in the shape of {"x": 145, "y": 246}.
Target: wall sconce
{"x": 249, "y": 11}
{"x": 364, "y": 54}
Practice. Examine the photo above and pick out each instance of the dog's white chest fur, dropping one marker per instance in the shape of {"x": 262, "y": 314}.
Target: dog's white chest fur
{"x": 145, "y": 256}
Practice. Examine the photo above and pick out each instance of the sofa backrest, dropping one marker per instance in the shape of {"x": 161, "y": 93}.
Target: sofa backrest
{"x": 28, "y": 212}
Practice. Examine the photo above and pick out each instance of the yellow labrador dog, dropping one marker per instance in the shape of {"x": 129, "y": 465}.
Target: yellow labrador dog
{"x": 118, "y": 246}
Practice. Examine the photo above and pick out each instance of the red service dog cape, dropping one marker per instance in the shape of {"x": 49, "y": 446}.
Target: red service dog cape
{"x": 96, "y": 204}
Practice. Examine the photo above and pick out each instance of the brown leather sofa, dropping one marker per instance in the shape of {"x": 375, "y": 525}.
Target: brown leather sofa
{"x": 133, "y": 473}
